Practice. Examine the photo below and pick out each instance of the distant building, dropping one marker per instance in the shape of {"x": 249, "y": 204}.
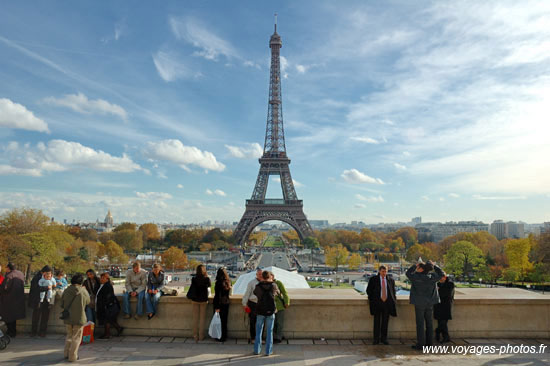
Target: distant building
{"x": 109, "y": 222}
{"x": 319, "y": 224}
{"x": 436, "y": 231}
{"x": 545, "y": 228}
{"x": 416, "y": 221}
{"x": 504, "y": 230}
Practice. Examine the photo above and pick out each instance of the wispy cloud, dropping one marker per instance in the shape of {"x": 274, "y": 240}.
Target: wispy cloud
{"x": 378, "y": 198}
{"x": 497, "y": 198}
{"x": 399, "y": 166}
{"x": 354, "y": 176}
{"x": 217, "y": 192}
{"x": 154, "y": 195}
{"x": 250, "y": 151}
{"x": 15, "y": 115}
{"x": 365, "y": 139}
{"x": 81, "y": 104}
{"x": 209, "y": 44}
{"x": 294, "y": 181}
{"x": 170, "y": 67}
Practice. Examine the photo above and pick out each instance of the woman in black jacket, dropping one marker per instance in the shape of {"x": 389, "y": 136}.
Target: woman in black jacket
{"x": 199, "y": 288}
{"x": 222, "y": 291}
{"x": 443, "y": 310}
{"x": 92, "y": 286}
{"x": 107, "y": 306}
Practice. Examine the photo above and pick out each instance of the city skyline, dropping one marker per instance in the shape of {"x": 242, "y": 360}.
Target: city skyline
{"x": 391, "y": 110}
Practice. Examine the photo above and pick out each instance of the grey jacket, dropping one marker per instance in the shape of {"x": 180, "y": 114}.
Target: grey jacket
{"x": 424, "y": 286}
{"x": 136, "y": 281}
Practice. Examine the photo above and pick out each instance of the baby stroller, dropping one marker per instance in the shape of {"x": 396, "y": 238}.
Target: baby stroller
{"x": 4, "y": 338}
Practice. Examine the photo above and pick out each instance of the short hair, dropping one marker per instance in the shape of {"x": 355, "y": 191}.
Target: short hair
{"x": 259, "y": 269}
{"x": 105, "y": 274}
{"x": 46, "y": 268}
{"x": 156, "y": 265}
{"x": 91, "y": 271}
{"x": 77, "y": 279}
{"x": 266, "y": 275}
{"x": 382, "y": 267}
{"x": 59, "y": 272}
{"x": 136, "y": 264}
{"x": 427, "y": 267}
{"x": 11, "y": 266}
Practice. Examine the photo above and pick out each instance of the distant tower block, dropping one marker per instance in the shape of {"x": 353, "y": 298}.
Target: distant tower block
{"x": 274, "y": 161}
{"x": 109, "y": 220}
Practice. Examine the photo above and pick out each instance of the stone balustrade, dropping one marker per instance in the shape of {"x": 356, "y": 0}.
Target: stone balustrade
{"x": 344, "y": 314}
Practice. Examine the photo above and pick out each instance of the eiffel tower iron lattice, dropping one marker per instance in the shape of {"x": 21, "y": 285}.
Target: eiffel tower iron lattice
{"x": 274, "y": 161}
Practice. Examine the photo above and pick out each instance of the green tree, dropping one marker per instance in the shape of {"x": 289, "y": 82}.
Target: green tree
{"x": 130, "y": 240}
{"x": 125, "y": 226}
{"x": 336, "y": 256}
{"x": 517, "y": 251}
{"x": 115, "y": 253}
{"x": 464, "y": 259}
{"x": 311, "y": 242}
{"x": 40, "y": 250}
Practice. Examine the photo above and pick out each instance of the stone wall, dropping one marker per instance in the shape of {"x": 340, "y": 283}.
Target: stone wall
{"x": 344, "y": 314}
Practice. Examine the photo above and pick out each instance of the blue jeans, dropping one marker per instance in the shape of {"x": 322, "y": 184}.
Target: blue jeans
{"x": 260, "y": 319}
{"x": 126, "y": 303}
{"x": 151, "y": 301}
{"x": 90, "y": 314}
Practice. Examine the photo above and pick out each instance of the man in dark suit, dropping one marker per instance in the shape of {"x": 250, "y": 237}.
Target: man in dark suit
{"x": 424, "y": 296}
{"x": 381, "y": 293}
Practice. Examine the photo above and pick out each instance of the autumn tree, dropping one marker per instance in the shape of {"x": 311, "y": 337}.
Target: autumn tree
{"x": 20, "y": 221}
{"x": 336, "y": 256}
{"x": 257, "y": 238}
{"x": 115, "y": 253}
{"x": 517, "y": 251}
{"x": 150, "y": 234}
{"x": 418, "y": 250}
{"x": 175, "y": 258}
{"x": 129, "y": 239}
{"x": 311, "y": 242}
{"x": 408, "y": 234}
{"x": 40, "y": 250}
{"x": 126, "y": 226}
{"x": 464, "y": 259}
{"x": 88, "y": 235}
{"x": 354, "y": 261}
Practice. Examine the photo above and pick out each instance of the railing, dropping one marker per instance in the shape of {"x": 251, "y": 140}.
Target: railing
{"x": 273, "y": 201}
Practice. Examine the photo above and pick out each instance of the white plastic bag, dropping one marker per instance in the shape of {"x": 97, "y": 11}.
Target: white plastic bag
{"x": 215, "y": 330}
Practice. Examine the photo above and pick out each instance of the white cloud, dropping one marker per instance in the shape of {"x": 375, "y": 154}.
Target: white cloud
{"x": 399, "y": 166}
{"x": 154, "y": 195}
{"x": 426, "y": 198}
{"x": 301, "y": 68}
{"x": 15, "y": 115}
{"x": 81, "y": 104}
{"x": 365, "y": 139}
{"x": 406, "y": 153}
{"x": 176, "y": 152}
{"x": 180, "y": 186}
{"x": 360, "y": 205}
{"x": 251, "y": 151}
{"x": 170, "y": 67}
{"x": 284, "y": 67}
{"x": 498, "y": 198}
{"x": 61, "y": 155}
{"x": 378, "y": 198}
{"x": 356, "y": 177}
{"x": 454, "y": 195}
{"x": 210, "y": 45}
{"x": 217, "y": 192}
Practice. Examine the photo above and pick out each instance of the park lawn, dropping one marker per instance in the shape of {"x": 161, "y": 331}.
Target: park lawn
{"x": 327, "y": 285}
{"x": 274, "y": 242}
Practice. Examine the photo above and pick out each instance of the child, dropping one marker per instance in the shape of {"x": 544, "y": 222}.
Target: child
{"x": 46, "y": 281}
{"x": 60, "y": 280}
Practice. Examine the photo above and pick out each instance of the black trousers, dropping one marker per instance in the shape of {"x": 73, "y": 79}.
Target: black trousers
{"x": 252, "y": 318}
{"x": 40, "y": 315}
{"x": 12, "y": 328}
{"x": 381, "y": 319}
{"x": 224, "y": 313}
{"x": 443, "y": 328}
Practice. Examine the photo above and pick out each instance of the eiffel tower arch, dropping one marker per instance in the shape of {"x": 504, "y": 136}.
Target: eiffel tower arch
{"x": 274, "y": 161}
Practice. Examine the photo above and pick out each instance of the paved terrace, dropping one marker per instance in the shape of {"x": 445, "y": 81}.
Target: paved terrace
{"x": 161, "y": 351}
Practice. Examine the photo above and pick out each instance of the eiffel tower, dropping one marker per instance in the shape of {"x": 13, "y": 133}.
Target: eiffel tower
{"x": 274, "y": 161}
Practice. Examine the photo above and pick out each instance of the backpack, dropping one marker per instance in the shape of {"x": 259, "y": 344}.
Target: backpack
{"x": 266, "y": 301}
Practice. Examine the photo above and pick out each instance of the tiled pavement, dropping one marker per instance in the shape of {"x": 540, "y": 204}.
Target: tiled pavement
{"x": 161, "y": 351}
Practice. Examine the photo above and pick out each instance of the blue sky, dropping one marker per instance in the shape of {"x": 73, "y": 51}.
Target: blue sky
{"x": 391, "y": 109}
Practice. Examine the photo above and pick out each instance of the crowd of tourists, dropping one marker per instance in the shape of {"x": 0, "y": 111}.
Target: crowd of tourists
{"x": 90, "y": 298}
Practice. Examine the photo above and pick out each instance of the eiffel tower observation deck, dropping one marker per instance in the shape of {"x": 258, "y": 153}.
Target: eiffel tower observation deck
{"x": 274, "y": 161}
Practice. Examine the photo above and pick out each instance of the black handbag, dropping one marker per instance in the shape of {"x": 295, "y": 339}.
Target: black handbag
{"x": 65, "y": 314}
{"x": 112, "y": 310}
{"x": 192, "y": 292}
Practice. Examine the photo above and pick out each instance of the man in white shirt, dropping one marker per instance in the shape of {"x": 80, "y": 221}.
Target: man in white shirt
{"x": 250, "y": 300}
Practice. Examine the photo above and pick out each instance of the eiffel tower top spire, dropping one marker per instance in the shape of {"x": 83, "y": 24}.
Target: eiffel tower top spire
{"x": 274, "y": 145}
